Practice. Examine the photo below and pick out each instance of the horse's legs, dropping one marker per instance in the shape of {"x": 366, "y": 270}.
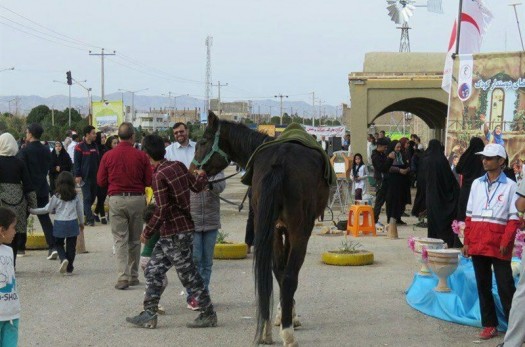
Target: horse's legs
{"x": 288, "y": 288}
{"x": 281, "y": 247}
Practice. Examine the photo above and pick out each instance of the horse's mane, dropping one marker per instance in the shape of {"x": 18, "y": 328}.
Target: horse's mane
{"x": 240, "y": 136}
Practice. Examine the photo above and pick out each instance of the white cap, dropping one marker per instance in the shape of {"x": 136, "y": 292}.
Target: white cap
{"x": 493, "y": 150}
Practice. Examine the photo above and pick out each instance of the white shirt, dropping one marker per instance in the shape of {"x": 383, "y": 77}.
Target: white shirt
{"x": 9, "y": 303}
{"x": 362, "y": 173}
{"x": 63, "y": 210}
{"x": 184, "y": 154}
{"x": 71, "y": 150}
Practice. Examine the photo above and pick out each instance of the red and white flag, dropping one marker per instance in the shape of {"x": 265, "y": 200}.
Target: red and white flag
{"x": 475, "y": 20}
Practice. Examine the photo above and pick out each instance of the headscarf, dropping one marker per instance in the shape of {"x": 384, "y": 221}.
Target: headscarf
{"x": 469, "y": 161}
{"x": 8, "y": 145}
{"x": 62, "y": 149}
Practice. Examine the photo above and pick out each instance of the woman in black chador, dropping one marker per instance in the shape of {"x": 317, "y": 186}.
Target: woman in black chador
{"x": 60, "y": 161}
{"x": 469, "y": 167}
{"x": 442, "y": 193}
{"x": 398, "y": 182}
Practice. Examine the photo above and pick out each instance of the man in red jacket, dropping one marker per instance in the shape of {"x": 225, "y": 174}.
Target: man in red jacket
{"x": 491, "y": 224}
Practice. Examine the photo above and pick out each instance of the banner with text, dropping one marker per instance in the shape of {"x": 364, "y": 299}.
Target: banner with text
{"x": 107, "y": 116}
{"x": 489, "y": 103}
{"x": 337, "y": 131}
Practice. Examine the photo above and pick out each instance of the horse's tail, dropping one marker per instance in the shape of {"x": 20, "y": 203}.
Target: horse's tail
{"x": 268, "y": 207}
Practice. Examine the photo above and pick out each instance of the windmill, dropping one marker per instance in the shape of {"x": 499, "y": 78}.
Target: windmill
{"x": 400, "y": 12}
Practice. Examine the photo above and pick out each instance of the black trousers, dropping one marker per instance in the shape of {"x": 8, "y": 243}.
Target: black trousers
{"x": 15, "y": 245}
{"x": 101, "y": 198}
{"x": 45, "y": 221}
{"x": 69, "y": 252}
{"x": 504, "y": 281}
{"x": 380, "y": 198}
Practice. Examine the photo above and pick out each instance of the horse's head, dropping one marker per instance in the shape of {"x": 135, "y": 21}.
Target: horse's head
{"x": 208, "y": 154}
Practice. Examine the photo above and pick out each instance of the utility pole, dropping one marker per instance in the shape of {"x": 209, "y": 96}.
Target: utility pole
{"x": 518, "y": 22}
{"x": 313, "y": 109}
{"x": 207, "y": 92}
{"x": 102, "y": 54}
{"x": 219, "y": 85}
{"x": 281, "y": 97}
{"x": 133, "y": 114}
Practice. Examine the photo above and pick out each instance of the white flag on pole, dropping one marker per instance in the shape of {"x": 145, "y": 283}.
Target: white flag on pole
{"x": 475, "y": 20}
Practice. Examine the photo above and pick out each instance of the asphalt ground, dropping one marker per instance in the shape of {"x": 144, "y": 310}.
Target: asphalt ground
{"x": 337, "y": 306}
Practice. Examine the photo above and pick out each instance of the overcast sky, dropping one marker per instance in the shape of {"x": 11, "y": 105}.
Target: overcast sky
{"x": 261, "y": 48}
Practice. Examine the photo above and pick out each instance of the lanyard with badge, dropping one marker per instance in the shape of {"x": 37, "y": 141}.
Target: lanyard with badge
{"x": 487, "y": 212}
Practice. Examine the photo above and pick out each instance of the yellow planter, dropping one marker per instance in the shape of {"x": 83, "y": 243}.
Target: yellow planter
{"x": 230, "y": 251}
{"x": 36, "y": 241}
{"x": 348, "y": 259}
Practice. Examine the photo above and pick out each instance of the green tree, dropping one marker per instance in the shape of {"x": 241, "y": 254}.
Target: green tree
{"x": 275, "y": 120}
{"x": 38, "y": 114}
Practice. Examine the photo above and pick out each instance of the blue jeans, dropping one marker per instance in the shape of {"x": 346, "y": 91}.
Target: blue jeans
{"x": 89, "y": 193}
{"x": 203, "y": 247}
{"x": 9, "y": 333}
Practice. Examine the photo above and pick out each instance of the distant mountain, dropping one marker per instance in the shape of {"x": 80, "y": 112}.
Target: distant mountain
{"x": 144, "y": 103}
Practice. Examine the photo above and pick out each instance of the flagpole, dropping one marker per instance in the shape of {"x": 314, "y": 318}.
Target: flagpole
{"x": 459, "y": 26}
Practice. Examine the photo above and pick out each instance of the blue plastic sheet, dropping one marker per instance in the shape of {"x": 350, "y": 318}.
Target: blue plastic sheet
{"x": 461, "y": 304}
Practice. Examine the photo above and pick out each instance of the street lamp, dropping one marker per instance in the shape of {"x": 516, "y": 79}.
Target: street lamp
{"x": 133, "y": 100}
{"x": 281, "y": 97}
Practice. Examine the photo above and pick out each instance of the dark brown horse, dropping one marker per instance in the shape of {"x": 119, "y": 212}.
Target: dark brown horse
{"x": 288, "y": 193}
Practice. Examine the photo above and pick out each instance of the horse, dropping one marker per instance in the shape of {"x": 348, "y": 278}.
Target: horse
{"x": 288, "y": 193}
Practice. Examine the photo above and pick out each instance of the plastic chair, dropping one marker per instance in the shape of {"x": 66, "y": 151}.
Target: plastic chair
{"x": 367, "y": 226}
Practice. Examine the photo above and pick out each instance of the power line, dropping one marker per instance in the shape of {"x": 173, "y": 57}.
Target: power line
{"x": 56, "y": 32}
{"x": 40, "y": 37}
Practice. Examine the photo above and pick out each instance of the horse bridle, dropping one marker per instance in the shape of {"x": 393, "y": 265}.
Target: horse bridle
{"x": 214, "y": 149}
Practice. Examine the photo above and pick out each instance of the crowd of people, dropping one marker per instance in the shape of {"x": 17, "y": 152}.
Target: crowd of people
{"x": 183, "y": 219}
{"x": 479, "y": 189}
{"x": 83, "y": 171}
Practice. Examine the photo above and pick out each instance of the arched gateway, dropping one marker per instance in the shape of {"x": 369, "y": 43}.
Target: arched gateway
{"x": 409, "y": 82}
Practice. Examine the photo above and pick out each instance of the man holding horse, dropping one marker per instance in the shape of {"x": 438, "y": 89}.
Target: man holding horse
{"x": 171, "y": 186}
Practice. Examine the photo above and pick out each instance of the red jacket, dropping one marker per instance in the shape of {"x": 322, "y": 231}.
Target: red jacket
{"x": 484, "y": 235}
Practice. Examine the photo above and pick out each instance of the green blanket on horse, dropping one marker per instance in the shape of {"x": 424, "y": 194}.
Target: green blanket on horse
{"x": 293, "y": 133}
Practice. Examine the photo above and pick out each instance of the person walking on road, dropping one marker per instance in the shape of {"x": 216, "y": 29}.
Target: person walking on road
{"x": 171, "y": 186}
{"x": 126, "y": 172}
{"x": 38, "y": 159}
{"x": 86, "y": 166}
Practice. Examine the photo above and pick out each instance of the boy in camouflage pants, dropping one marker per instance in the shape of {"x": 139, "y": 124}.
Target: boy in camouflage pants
{"x": 171, "y": 186}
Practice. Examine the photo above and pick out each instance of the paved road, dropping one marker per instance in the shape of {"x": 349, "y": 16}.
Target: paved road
{"x": 338, "y": 306}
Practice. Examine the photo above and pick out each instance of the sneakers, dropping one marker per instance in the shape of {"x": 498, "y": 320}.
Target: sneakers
{"x": 146, "y": 319}
{"x": 63, "y": 266}
{"x": 193, "y": 304}
{"x": 103, "y": 220}
{"x": 134, "y": 282}
{"x": 205, "y": 319}
{"x": 53, "y": 255}
{"x": 97, "y": 219}
{"x": 380, "y": 227}
{"x": 488, "y": 333}
{"x": 91, "y": 223}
